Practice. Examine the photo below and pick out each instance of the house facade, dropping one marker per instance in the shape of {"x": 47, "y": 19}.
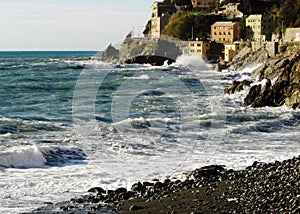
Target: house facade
{"x": 231, "y": 50}
{"x": 199, "y": 48}
{"x": 204, "y": 5}
{"x": 161, "y": 12}
{"x": 259, "y": 28}
{"x": 226, "y": 32}
{"x": 292, "y": 35}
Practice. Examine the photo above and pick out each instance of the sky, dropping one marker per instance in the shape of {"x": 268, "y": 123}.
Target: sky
{"x": 69, "y": 24}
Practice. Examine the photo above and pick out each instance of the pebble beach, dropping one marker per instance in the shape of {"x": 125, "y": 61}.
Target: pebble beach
{"x": 260, "y": 188}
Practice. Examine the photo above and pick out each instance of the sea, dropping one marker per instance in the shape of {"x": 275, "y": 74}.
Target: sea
{"x": 70, "y": 122}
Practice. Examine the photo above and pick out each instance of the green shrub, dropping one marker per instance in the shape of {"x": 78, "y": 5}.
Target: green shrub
{"x": 282, "y": 48}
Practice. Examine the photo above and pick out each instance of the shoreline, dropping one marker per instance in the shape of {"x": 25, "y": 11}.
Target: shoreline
{"x": 260, "y": 188}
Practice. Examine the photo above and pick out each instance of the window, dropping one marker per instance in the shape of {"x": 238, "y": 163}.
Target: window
{"x": 192, "y": 45}
{"x": 192, "y": 51}
{"x": 199, "y": 51}
{"x": 224, "y": 33}
{"x": 198, "y": 45}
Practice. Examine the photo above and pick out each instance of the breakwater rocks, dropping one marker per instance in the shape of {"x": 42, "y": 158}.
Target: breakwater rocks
{"x": 282, "y": 80}
{"x": 261, "y": 188}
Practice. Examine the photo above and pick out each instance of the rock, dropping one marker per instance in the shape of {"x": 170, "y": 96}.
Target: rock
{"x": 237, "y": 86}
{"x": 138, "y": 187}
{"x": 286, "y": 86}
{"x": 120, "y": 190}
{"x": 97, "y": 190}
{"x": 152, "y": 60}
{"x": 253, "y": 93}
{"x": 294, "y": 100}
{"x": 111, "y": 54}
{"x": 135, "y": 208}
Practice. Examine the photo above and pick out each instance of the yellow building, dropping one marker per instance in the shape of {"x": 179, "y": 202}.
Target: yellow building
{"x": 231, "y": 50}
{"x": 161, "y": 12}
{"x": 199, "y": 48}
{"x": 204, "y": 5}
{"x": 259, "y": 28}
{"x": 226, "y": 32}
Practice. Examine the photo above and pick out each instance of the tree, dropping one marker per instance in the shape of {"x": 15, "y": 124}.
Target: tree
{"x": 290, "y": 12}
{"x": 187, "y": 25}
{"x": 182, "y": 2}
{"x": 185, "y": 4}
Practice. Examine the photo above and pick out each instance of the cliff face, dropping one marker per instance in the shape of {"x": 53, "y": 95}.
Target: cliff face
{"x": 132, "y": 49}
{"x": 283, "y": 71}
{"x": 111, "y": 54}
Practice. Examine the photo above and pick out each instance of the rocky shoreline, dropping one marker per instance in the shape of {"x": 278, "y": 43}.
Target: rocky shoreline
{"x": 260, "y": 188}
{"x": 281, "y": 76}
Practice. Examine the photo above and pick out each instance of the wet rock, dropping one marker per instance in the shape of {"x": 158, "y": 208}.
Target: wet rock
{"x": 97, "y": 190}
{"x": 120, "y": 190}
{"x": 237, "y": 86}
{"x": 138, "y": 187}
{"x": 135, "y": 208}
{"x": 152, "y": 60}
{"x": 252, "y": 95}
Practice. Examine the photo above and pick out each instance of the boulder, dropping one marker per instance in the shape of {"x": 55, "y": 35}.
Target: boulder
{"x": 237, "y": 86}
{"x": 286, "y": 88}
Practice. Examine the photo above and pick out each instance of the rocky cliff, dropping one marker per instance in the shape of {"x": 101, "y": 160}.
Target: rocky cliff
{"x": 281, "y": 74}
{"x": 137, "y": 48}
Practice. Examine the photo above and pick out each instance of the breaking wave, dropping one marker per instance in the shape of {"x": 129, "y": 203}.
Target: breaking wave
{"x": 33, "y": 156}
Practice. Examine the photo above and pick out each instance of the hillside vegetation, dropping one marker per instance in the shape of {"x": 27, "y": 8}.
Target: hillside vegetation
{"x": 185, "y": 23}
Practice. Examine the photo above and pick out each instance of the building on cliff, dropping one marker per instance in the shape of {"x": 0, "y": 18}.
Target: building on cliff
{"x": 231, "y": 50}
{"x": 199, "y": 48}
{"x": 232, "y": 10}
{"x": 204, "y": 5}
{"x": 161, "y": 12}
{"x": 225, "y": 32}
{"x": 259, "y": 28}
{"x": 292, "y": 35}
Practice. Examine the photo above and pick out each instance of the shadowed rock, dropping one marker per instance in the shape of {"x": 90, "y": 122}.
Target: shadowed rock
{"x": 152, "y": 60}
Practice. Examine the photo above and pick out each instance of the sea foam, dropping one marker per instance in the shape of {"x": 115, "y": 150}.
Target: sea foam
{"x": 22, "y": 157}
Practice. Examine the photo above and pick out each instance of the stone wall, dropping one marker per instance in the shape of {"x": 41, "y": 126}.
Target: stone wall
{"x": 271, "y": 48}
{"x": 290, "y": 35}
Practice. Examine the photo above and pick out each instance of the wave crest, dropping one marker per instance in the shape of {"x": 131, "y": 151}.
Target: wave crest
{"x": 33, "y": 156}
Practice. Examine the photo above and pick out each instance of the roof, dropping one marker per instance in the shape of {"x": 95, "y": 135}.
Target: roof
{"x": 255, "y": 16}
{"x": 223, "y": 24}
{"x": 232, "y": 4}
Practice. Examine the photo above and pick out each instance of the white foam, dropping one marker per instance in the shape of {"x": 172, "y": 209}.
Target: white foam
{"x": 22, "y": 157}
{"x": 141, "y": 77}
{"x": 193, "y": 63}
